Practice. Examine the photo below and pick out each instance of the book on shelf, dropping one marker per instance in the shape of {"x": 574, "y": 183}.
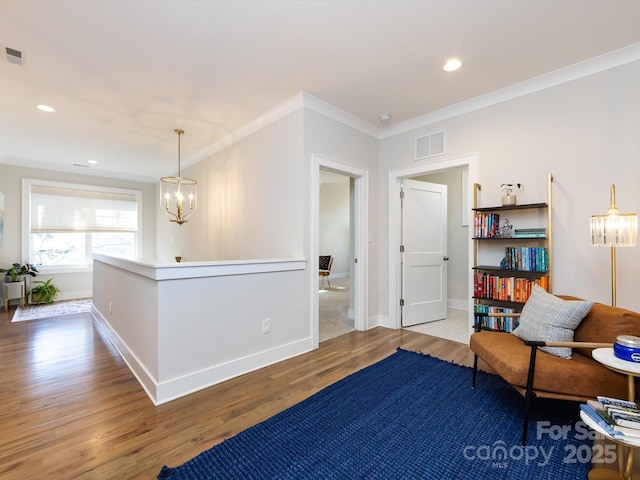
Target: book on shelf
{"x": 504, "y": 324}
{"x": 530, "y": 233}
{"x": 486, "y": 225}
{"x": 528, "y": 259}
{"x": 511, "y": 289}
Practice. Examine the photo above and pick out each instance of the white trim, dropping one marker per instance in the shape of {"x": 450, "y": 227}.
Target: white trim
{"x": 591, "y": 66}
{"x": 458, "y": 304}
{"x": 163, "y": 392}
{"x": 299, "y": 100}
{"x": 276, "y": 113}
{"x": 334, "y": 113}
{"x": 582, "y": 69}
{"x": 175, "y": 271}
{"x": 361, "y": 229}
{"x": 395, "y": 177}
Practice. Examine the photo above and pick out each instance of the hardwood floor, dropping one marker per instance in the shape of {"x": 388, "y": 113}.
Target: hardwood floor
{"x": 70, "y": 407}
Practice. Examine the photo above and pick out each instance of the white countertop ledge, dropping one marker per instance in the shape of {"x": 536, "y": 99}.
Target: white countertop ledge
{"x": 157, "y": 270}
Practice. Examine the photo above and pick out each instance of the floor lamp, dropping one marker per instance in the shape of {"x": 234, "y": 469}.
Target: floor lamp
{"x": 614, "y": 230}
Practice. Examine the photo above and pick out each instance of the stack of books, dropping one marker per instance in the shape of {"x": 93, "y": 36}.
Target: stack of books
{"x": 619, "y": 418}
{"x": 510, "y": 289}
{"x": 530, "y": 233}
{"x": 532, "y": 259}
{"x": 486, "y": 225}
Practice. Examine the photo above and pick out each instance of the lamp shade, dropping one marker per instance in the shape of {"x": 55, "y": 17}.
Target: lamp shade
{"x": 614, "y": 230}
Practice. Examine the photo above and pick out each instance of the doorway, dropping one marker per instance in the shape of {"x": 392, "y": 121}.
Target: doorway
{"x": 355, "y": 265}
{"x": 335, "y": 240}
{"x": 459, "y": 174}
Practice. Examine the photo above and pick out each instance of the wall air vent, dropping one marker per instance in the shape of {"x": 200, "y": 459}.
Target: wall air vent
{"x": 13, "y": 55}
{"x": 430, "y": 145}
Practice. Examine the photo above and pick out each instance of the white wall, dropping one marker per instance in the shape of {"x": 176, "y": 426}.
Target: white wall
{"x": 345, "y": 145}
{"x": 251, "y": 200}
{"x": 71, "y": 284}
{"x": 586, "y": 133}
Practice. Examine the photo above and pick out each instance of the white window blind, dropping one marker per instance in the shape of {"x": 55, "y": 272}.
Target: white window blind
{"x": 64, "y": 210}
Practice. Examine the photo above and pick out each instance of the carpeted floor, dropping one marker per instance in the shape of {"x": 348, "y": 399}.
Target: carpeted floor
{"x": 455, "y": 327}
{"x": 408, "y": 416}
{"x": 55, "y": 309}
{"x": 333, "y": 305}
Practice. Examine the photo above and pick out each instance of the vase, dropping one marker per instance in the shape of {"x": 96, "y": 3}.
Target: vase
{"x": 508, "y": 200}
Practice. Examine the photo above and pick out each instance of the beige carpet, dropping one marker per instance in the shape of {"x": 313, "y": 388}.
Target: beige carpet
{"x": 333, "y": 309}
{"x": 55, "y": 309}
{"x": 455, "y": 327}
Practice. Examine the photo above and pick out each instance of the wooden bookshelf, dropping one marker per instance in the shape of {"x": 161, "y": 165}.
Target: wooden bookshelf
{"x": 503, "y": 283}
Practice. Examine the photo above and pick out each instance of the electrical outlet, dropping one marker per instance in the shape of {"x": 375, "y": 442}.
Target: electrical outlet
{"x": 266, "y": 325}
{"x": 110, "y": 311}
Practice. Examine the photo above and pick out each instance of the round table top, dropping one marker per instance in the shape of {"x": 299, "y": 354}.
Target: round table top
{"x": 606, "y": 357}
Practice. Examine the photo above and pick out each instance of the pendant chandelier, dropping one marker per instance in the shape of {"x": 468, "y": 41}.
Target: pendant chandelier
{"x": 178, "y": 195}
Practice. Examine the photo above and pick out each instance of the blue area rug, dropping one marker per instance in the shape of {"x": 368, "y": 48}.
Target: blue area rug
{"x": 409, "y": 416}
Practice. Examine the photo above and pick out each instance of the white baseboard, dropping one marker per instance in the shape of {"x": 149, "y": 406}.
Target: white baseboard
{"x": 163, "y": 392}
{"x": 458, "y": 304}
{"x": 179, "y": 387}
{"x": 146, "y": 380}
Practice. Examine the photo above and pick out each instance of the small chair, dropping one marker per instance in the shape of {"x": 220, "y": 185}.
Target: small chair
{"x": 326, "y": 262}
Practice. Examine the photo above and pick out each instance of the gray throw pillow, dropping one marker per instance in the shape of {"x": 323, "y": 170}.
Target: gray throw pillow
{"x": 549, "y": 318}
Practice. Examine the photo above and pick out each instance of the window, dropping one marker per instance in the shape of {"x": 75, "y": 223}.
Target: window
{"x": 67, "y": 223}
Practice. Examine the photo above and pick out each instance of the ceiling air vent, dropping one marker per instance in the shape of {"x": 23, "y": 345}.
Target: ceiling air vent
{"x": 13, "y": 55}
{"x": 430, "y": 145}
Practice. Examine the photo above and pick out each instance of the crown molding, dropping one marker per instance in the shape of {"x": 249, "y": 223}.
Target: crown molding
{"x": 582, "y": 69}
{"x": 277, "y": 112}
{"x": 607, "y": 61}
{"x": 334, "y": 113}
{"x": 299, "y": 100}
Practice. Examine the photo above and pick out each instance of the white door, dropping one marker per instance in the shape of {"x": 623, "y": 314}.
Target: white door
{"x": 424, "y": 252}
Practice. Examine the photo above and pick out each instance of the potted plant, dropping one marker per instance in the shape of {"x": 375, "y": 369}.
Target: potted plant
{"x": 44, "y": 292}
{"x": 16, "y": 270}
{"x": 507, "y": 188}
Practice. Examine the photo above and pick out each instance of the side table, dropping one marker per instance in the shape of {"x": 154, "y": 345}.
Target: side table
{"x": 632, "y": 370}
{"x": 606, "y": 357}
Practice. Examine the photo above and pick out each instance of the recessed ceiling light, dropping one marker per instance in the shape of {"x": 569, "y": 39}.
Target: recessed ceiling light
{"x": 452, "y": 65}
{"x": 384, "y": 118}
{"x": 45, "y": 108}
{"x": 92, "y": 162}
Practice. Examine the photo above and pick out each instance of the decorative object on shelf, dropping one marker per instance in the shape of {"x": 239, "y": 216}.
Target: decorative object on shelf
{"x": 507, "y": 188}
{"x": 178, "y": 195}
{"x": 613, "y": 230}
{"x": 505, "y": 231}
{"x": 44, "y": 292}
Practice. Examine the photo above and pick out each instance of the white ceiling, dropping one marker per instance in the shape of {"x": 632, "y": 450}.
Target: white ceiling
{"x": 123, "y": 74}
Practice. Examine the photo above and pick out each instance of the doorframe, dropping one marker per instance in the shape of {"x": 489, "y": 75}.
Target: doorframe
{"x": 395, "y": 178}
{"x": 360, "y": 282}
